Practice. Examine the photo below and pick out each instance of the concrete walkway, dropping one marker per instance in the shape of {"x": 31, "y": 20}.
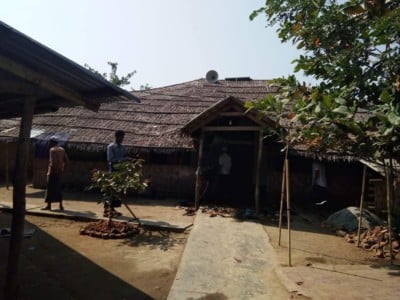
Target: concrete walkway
{"x": 227, "y": 259}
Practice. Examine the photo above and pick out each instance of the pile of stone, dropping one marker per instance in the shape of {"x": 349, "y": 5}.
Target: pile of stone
{"x": 377, "y": 241}
{"x": 347, "y": 219}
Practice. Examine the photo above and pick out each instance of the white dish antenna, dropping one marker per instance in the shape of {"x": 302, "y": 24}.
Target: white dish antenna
{"x": 212, "y": 76}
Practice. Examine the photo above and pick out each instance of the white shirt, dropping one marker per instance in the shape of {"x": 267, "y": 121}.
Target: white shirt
{"x": 225, "y": 164}
{"x": 318, "y": 174}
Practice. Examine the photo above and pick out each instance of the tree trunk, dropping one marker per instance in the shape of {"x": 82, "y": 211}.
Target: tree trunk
{"x": 18, "y": 217}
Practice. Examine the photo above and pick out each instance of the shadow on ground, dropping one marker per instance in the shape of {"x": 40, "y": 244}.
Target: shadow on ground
{"x": 52, "y": 270}
{"x": 163, "y": 240}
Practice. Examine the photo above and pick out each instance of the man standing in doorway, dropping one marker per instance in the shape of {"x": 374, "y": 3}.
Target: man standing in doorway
{"x": 225, "y": 165}
{"x": 58, "y": 161}
{"x": 115, "y": 154}
{"x": 319, "y": 183}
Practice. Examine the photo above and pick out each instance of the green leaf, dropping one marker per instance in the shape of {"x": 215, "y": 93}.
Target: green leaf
{"x": 327, "y": 101}
{"x": 382, "y": 117}
{"x": 388, "y": 131}
{"x": 385, "y": 96}
{"x": 354, "y": 9}
{"x": 394, "y": 119}
{"x": 255, "y": 13}
{"x": 344, "y": 110}
{"x": 340, "y": 100}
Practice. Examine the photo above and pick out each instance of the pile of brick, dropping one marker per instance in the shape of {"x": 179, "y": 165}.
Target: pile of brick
{"x": 110, "y": 230}
{"x": 214, "y": 211}
{"x": 377, "y": 241}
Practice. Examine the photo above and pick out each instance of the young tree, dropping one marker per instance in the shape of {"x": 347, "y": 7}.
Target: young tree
{"x": 145, "y": 87}
{"x": 352, "y": 49}
{"x": 112, "y": 76}
{"x": 115, "y": 185}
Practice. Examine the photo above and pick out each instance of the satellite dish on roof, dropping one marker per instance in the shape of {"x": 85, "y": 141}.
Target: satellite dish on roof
{"x": 212, "y": 76}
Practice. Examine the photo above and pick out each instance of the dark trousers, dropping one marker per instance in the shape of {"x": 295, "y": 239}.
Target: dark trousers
{"x": 318, "y": 194}
{"x": 53, "y": 189}
{"x": 112, "y": 203}
{"x": 224, "y": 189}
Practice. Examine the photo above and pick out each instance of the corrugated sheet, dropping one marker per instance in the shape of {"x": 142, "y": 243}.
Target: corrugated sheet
{"x": 20, "y": 50}
{"x": 379, "y": 166}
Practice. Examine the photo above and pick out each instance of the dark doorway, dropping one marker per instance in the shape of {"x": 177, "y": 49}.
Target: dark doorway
{"x": 242, "y": 175}
{"x": 238, "y": 191}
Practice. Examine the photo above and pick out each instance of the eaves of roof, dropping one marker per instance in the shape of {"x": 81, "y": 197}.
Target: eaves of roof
{"x": 29, "y": 68}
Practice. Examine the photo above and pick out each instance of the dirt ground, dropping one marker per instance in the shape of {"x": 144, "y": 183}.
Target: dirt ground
{"x": 313, "y": 243}
{"x": 58, "y": 263}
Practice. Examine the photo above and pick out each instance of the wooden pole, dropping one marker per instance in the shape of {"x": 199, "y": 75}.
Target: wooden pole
{"x": 288, "y": 211}
{"x": 282, "y": 193}
{"x": 129, "y": 209}
{"x": 198, "y": 172}
{"x": 7, "y": 166}
{"x": 258, "y": 164}
{"x": 282, "y": 198}
{"x": 389, "y": 197}
{"x": 19, "y": 184}
{"x": 361, "y": 204}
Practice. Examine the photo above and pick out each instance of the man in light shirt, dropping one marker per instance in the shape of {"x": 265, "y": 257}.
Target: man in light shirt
{"x": 115, "y": 154}
{"x": 319, "y": 183}
{"x": 116, "y": 151}
{"x": 225, "y": 165}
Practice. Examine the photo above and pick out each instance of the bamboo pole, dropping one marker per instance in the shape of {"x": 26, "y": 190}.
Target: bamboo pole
{"x": 200, "y": 159}
{"x": 129, "y": 209}
{"x": 258, "y": 164}
{"x": 282, "y": 193}
{"x": 282, "y": 198}
{"x": 361, "y": 204}
{"x": 19, "y": 189}
{"x": 389, "y": 197}
{"x": 7, "y": 166}
{"x": 288, "y": 211}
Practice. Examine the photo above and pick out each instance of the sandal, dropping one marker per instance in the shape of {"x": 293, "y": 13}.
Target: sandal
{"x": 114, "y": 214}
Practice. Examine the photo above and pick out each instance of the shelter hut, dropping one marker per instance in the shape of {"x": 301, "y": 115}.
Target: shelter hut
{"x": 34, "y": 79}
{"x": 376, "y": 200}
{"x": 178, "y": 130}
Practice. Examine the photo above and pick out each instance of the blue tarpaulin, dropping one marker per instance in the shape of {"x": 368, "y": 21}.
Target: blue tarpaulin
{"x": 41, "y": 142}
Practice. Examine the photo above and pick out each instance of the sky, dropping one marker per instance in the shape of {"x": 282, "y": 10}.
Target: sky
{"x": 165, "y": 41}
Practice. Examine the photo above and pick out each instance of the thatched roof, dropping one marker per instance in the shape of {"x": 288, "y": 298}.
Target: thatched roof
{"x": 158, "y": 121}
{"x": 155, "y": 123}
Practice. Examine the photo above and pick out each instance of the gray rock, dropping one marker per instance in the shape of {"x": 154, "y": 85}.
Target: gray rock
{"x": 347, "y": 219}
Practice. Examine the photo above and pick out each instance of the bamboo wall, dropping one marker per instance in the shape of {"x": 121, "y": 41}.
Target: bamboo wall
{"x": 165, "y": 180}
